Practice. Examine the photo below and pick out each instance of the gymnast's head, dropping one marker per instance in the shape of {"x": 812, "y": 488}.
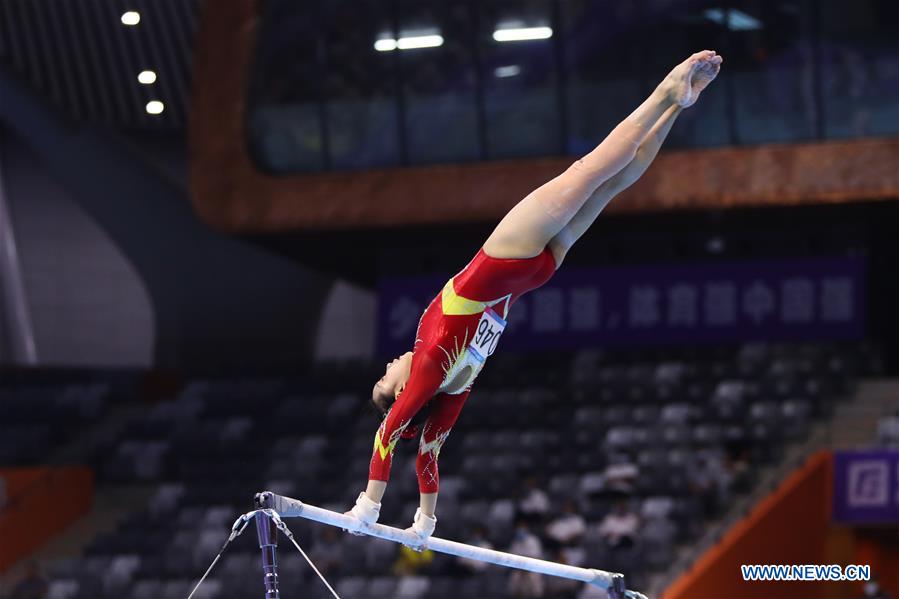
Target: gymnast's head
{"x": 391, "y": 384}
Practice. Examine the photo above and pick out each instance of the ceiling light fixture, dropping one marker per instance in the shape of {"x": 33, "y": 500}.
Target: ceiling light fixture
{"x": 155, "y": 107}
{"x": 520, "y": 34}
{"x": 733, "y": 19}
{"x": 131, "y": 18}
{"x": 412, "y": 42}
{"x": 510, "y": 70}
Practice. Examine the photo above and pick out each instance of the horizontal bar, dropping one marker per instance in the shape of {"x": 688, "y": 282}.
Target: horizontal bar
{"x": 287, "y": 507}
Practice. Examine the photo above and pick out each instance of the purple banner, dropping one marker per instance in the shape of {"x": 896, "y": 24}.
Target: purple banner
{"x": 866, "y": 486}
{"x": 722, "y": 302}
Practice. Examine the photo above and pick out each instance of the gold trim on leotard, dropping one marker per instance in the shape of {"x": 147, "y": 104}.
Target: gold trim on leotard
{"x": 454, "y": 304}
{"x": 384, "y": 450}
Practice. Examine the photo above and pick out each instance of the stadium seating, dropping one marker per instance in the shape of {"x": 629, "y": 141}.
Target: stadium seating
{"x": 676, "y": 434}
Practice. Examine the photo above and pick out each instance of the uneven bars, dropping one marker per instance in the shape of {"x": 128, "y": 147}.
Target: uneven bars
{"x": 287, "y": 507}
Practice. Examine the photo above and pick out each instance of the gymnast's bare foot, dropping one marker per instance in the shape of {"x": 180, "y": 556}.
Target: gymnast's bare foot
{"x": 687, "y": 80}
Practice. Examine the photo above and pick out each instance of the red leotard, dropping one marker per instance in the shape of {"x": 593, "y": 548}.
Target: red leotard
{"x": 439, "y": 373}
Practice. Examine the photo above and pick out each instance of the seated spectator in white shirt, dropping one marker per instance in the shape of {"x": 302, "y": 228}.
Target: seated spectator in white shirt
{"x": 524, "y": 584}
{"x": 534, "y": 502}
{"x": 557, "y": 587}
{"x": 710, "y": 481}
{"x": 621, "y": 477}
{"x": 619, "y": 528}
{"x": 478, "y": 538}
{"x": 568, "y": 527}
{"x": 327, "y": 553}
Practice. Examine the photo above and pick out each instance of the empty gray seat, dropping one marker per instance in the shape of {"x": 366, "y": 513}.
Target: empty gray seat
{"x": 707, "y": 434}
{"x": 63, "y": 589}
{"x": 351, "y": 587}
{"x": 676, "y": 435}
{"x": 413, "y": 587}
{"x": 676, "y": 413}
{"x": 620, "y": 437}
{"x": 382, "y": 586}
{"x": 379, "y": 554}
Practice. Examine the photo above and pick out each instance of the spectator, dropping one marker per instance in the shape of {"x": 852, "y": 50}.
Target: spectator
{"x": 872, "y": 590}
{"x": 410, "y": 562}
{"x": 719, "y": 476}
{"x": 657, "y": 537}
{"x": 619, "y": 528}
{"x": 736, "y": 462}
{"x": 567, "y": 528}
{"x": 621, "y": 477}
{"x": 525, "y": 584}
{"x": 33, "y": 586}
{"x": 558, "y": 587}
{"x": 478, "y": 538}
{"x": 619, "y": 532}
{"x": 534, "y": 502}
{"x": 887, "y": 432}
{"x": 702, "y": 485}
{"x": 327, "y": 553}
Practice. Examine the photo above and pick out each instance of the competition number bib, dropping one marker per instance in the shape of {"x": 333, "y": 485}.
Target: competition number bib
{"x": 487, "y": 334}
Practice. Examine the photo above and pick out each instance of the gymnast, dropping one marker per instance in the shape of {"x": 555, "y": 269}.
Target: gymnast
{"x": 461, "y": 326}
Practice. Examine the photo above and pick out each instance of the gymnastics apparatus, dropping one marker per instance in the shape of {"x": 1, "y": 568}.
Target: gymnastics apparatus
{"x": 272, "y": 508}
{"x": 521, "y": 254}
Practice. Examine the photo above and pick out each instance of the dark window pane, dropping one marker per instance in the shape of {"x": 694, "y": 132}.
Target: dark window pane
{"x": 360, "y": 85}
{"x": 672, "y": 32}
{"x": 284, "y": 120}
{"x": 521, "y": 98}
{"x": 860, "y": 67}
{"x": 330, "y": 92}
{"x": 604, "y": 61}
{"x": 439, "y": 83}
{"x": 286, "y": 138}
{"x": 771, "y": 56}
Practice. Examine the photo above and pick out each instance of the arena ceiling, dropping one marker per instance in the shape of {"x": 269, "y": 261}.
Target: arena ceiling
{"x": 93, "y": 59}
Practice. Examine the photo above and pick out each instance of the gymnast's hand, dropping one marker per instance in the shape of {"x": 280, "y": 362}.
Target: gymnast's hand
{"x": 687, "y": 80}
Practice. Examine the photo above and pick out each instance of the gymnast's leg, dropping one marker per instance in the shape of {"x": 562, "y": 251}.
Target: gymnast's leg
{"x": 534, "y": 221}
{"x": 584, "y": 218}
{"x": 445, "y": 410}
{"x": 646, "y": 153}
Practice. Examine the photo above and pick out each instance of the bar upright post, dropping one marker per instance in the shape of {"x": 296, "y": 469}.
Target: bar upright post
{"x": 268, "y": 544}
